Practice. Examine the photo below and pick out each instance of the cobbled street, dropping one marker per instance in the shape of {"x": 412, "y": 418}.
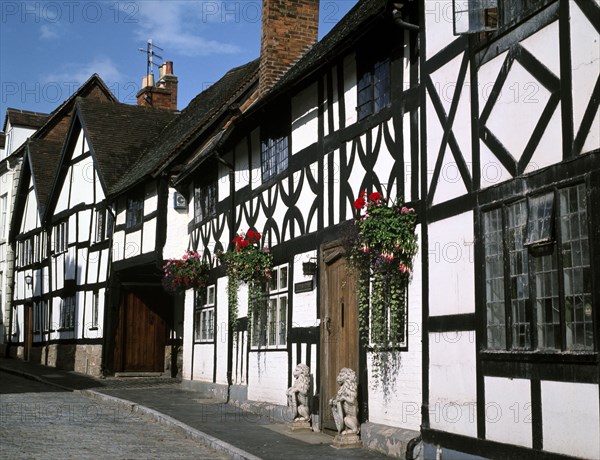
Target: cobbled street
{"x": 37, "y": 421}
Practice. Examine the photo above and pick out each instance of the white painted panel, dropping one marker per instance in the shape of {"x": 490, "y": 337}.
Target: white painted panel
{"x": 570, "y": 418}
{"x": 438, "y": 25}
{"x": 93, "y": 263}
{"x": 585, "y": 58}
{"x": 492, "y": 171}
{"x": 508, "y": 410}
{"x": 177, "y": 235}
{"x": 255, "y": 158}
{"x": 59, "y": 271}
{"x": 549, "y": 150}
{"x": 242, "y": 168}
{"x": 222, "y": 312}
{"x": 385, "y": 162}
{"x": 203, "y": 362}
{"x": 305, "y": 119}
{"x": 31, "y": 219}
{"x": 79, "y": 310}
{"x": 120, "y": 217}
{"x": 242, "y": 298}
{"x": 103, "y": 274}
{"x": 188, "y": 335}
{"x": 82, "y": 190}
{"x": 46, "y": 275}
{"x": 78, "y": 151}
{"x": 266, "y": 380}
{"x": 149, "y": 240}
{"x": 84, "y": 227}
{"x": 63, "y": 198}
{"x": 452, "y": 382}
{"x": 350, "y": 96}
{"x": 487, "y": 76}
{"x": 544, "y": 46}
{"x": 304, "y": 313}
{"x": 517, "y": 110}
{"x": 335, "y": 179}
{"x": 306, "y": 201}
{"x": 118, "y": 245}
{"x": 133, "y": 244}
{"x": 445, "y": 82}
{"x": 37, "y": 282}
{"x": 82, "y": 256}
{"x": 409, "y": 167}
{"x": 434, "y": 134}
{"x": 222, "y": 185}
{"x": 151, "y": 202}
{"x": 357, "y": 174}
{"x": 100, "y": 195}
{"x": 450, "y": 183}
{"x": 451, "y": 265}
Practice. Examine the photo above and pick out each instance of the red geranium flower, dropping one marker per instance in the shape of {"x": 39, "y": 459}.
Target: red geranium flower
{"x": 375, "y": 196}
{"x": 359, "y": 203}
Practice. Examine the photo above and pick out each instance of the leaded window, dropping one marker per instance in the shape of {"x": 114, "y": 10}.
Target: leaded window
{"x": 205, "y": 201}
{"x": 204, "y": 315}
{"x": 269, "y": 318}
{"x": 374, "y": 87}
{"x": 538, "y": 279}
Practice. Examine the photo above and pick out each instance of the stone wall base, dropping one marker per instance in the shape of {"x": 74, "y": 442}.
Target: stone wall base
{"x": 390, "y": 440}
{"x": 85, "y": 359}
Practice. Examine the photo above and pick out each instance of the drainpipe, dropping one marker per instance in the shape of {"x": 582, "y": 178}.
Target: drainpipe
{"x": 231, "y": 175}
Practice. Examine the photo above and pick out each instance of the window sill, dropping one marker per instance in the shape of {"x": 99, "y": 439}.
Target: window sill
{"x": 557, "y": 357}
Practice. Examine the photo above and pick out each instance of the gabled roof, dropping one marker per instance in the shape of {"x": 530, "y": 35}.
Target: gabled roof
{"x": 119, "y": 134}
{"x": 194, "y": 121}
{"x": 24, "y": 118}
{"x": 65, "y": 108}
{"x": 43, "y": 155}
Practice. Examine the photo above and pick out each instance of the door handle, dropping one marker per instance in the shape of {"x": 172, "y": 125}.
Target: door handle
{"x": 327, "y": 323}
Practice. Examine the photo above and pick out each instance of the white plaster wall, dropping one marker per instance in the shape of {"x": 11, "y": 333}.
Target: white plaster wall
{"x": 18, "y": 136}
{"x": 83, "y": 182}
{"x": 84, "y": 226}
{"x": 222, "y": 312}
{"x": 267, "y": 376}
{"x": 438, "y": 25}
{"x": 570, "y": 418}
{"x": 242, "y": 167}
{"x": 451, "y": 265}
{"x": 203, "y": 362}
{"x": 70, "y": 263}
{"x": 118, "y": 245}
{"x": 256, "y": 179}
{"x": 304, "y": 312}
{"x": 149, "y": 240}
{"x": 305, "y": 119}
{"x": 63, "y": 197}
{"x": 103, "y": 273}
{"x": 82, "y": 257}
{"x": 177, "y": 235}
{"x": 585, "y": 65}
{"x": 401, "y": 406}
{"x": 508, "y": 410}
{"x": 350, "y": 97}
{"x": 133, "y": 244}
{"x": 188, "y": 334}
{"x": 385, "y": 161}
{"x": 31, "y": 218}
{"x": 93, "y": 259}
{"x": 452, "y": 382}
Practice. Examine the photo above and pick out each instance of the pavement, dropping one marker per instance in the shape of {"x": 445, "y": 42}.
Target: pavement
{"x": 223, "y": 427}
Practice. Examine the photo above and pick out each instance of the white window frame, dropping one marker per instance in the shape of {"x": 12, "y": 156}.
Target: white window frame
{"x": 204, "y": 315}
{"x": 270, "y": 318}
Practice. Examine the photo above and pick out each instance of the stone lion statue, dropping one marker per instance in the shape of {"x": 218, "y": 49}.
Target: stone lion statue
{"x": 299, "y": 393}
{"x": 345, "y": 404}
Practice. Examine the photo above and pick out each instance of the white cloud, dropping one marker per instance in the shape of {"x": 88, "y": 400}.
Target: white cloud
{"x": 176, "y": 27}
{"x": 49, "y": 31}
{"x": 80, "y": 72}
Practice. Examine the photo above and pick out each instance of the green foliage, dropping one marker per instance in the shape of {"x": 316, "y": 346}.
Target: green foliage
{"x": 382, "y": 249}
{"x": 247, "y": 262}
{"x": 189, "y": 272}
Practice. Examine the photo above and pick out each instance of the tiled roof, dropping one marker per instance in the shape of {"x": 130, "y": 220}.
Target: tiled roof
{"x": 193, "y": 121}
{"x": 119, "y": 134}
{"x": 25, "y": 118}
{"x": 44, "y": 156}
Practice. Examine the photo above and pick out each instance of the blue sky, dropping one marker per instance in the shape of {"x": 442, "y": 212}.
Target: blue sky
{"x": 49, "y": 48}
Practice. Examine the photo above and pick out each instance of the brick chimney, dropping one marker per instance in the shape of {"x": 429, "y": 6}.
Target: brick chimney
{"x": 163, "y": 95}
{"x": 289, "y": 27}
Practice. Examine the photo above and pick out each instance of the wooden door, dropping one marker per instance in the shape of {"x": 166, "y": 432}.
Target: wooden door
{"x": 28, "y": 325}
{"x": 339, "y": 326}
{"x": 143, "y": 331}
